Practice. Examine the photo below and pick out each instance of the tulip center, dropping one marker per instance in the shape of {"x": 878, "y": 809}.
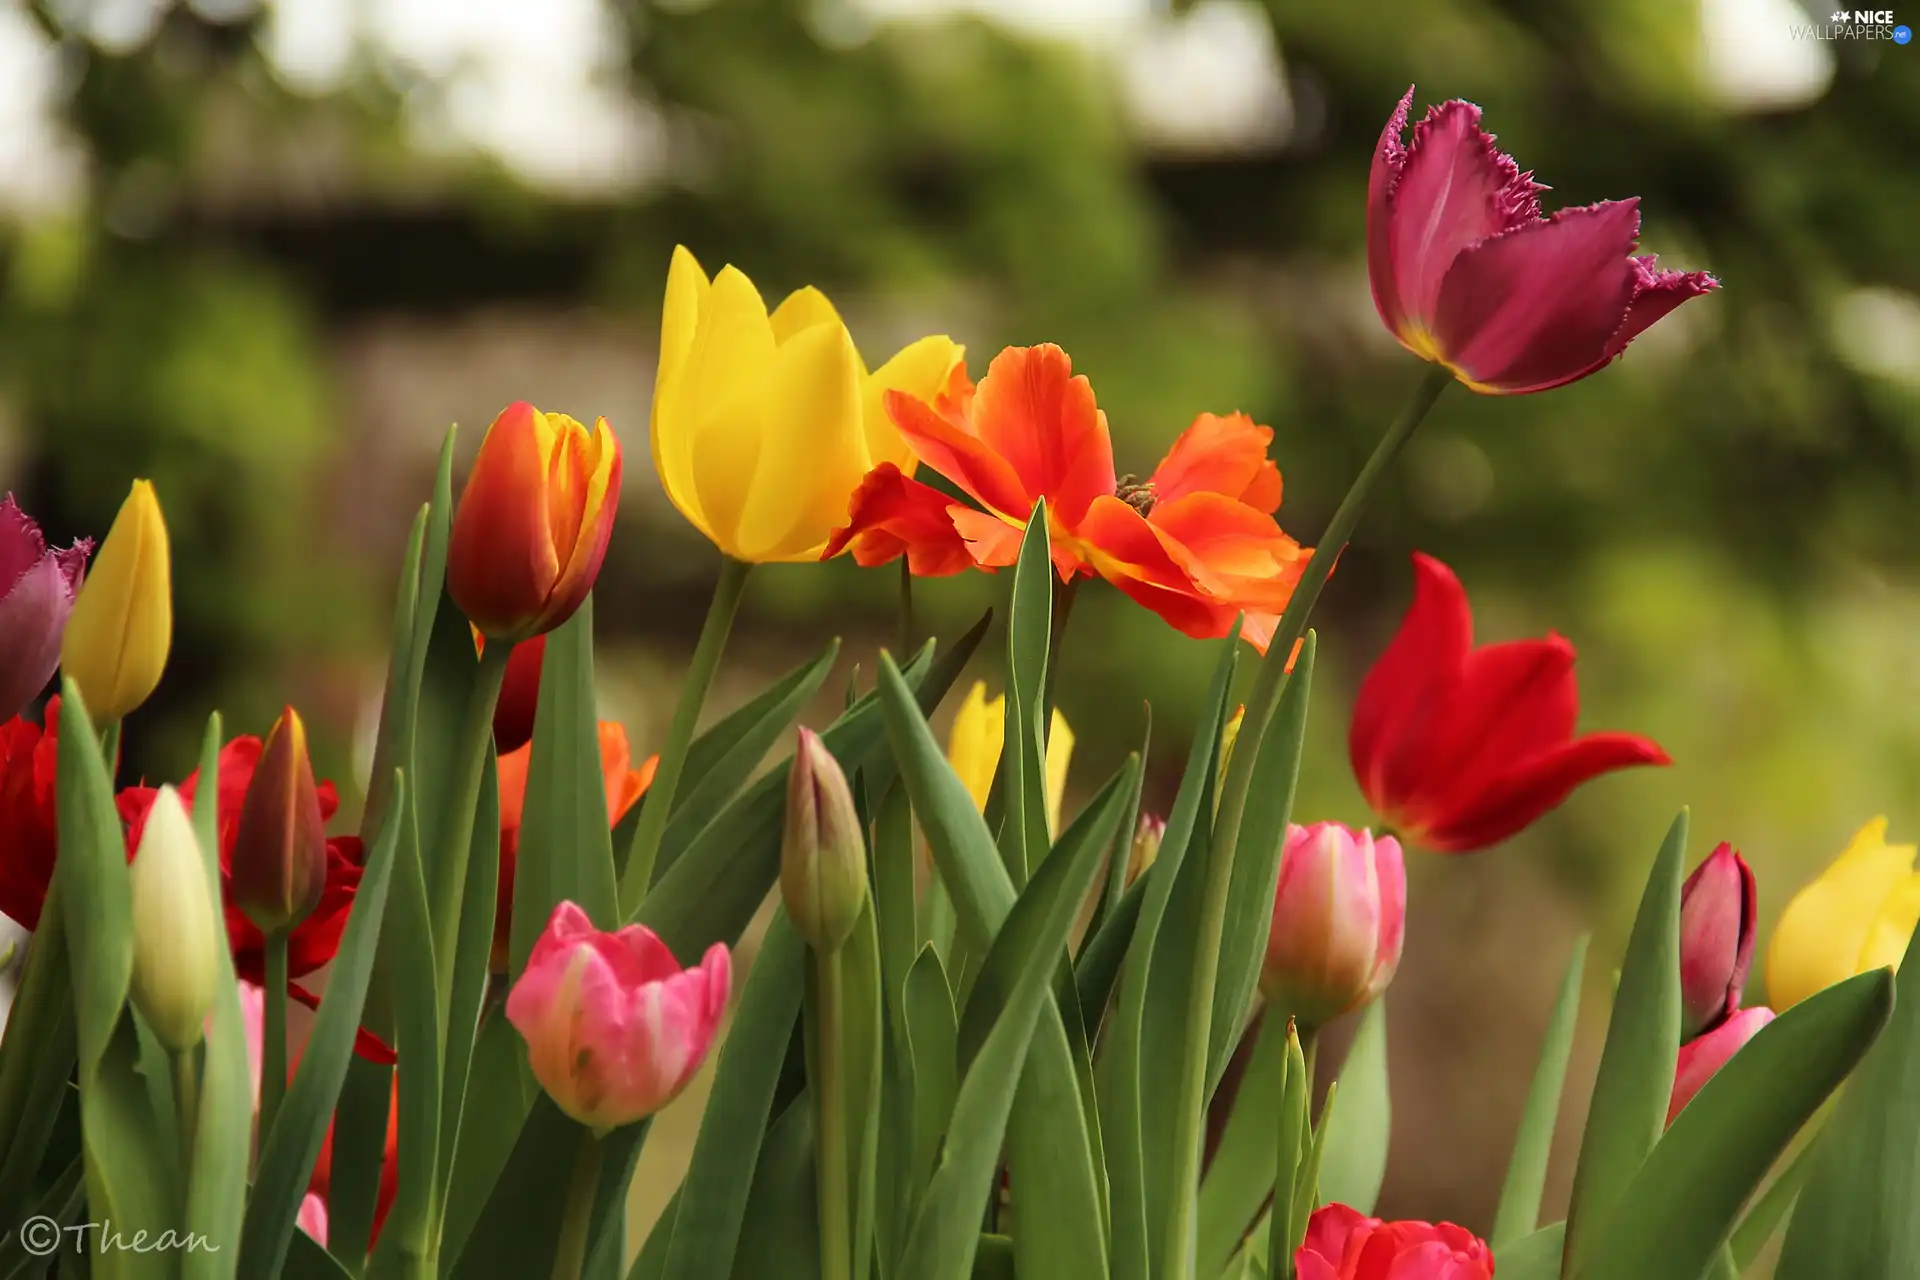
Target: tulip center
{"x": 1136, "y": 493}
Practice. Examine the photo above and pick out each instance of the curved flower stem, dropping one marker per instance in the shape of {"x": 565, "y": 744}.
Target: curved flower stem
{"x": 658, "y": 805}
{"x": 273, "y": 1035}
{"x": 447, "y": 872}
{"x": 1190, "y": 1119}
{"x": 829, "y": 1086}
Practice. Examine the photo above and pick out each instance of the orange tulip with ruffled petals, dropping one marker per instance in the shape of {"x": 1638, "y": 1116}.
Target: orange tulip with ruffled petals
{"x": 1195, "y": 542}
{"x": 532, "y": 526}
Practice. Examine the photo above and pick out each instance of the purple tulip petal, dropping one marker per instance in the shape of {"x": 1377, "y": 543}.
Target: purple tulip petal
{"x": 1539, "y": 307}
{"x": 33, "y": 617}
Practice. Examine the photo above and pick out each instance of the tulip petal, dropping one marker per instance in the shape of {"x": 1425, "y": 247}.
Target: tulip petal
{"x": 975, "y": 741}
{"x": 1389, "y": 158}
{"x": 733, "y": 348}
{"x": 1829, "y": 926}
{"x": 591, "y": 494}
{"x": 1655, "y": 293}
{"x": 1510, "y": 701}
{"x": 891, "y": 516}
{"x": 1700, "y": 1058}
{"x": 919, "y": 369}
{"x": 1389, "y": 741}
{"x": 1128, "y": 551}
{"x": 1454, "y": 190}
{"x": 1233, "y": 553}
{"x": 33, "y": 618}
{"x": 1538, "y": 307}
{"x": 778, "y": 461}
{"x": 1033, "y": 411}
{"x": 960, "y": 456}
{"x": 1224, "y": 455}
{"x": 1530, "y": 790}
{"x": 501, "y": 556}
{"x": 801, "y": 310}
{"x": 992, "y": 542}
{"x": 688, "y": 296}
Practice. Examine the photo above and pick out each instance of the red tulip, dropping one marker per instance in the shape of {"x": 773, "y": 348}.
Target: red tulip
{"x": 1457, "y": 748}
{"x": 519, "y": 696}
{"x": 27, "y": 765}
{"x": 1345, "y": 1244}
{"x": 279, "y": 858}
{"x": 1467, "y": 273}
{"x": 314, "y": 940}
{"x": 37, "y": 589}
{"x": 533, "y": 521}
{"x": 1700, "y": 1059}
{"x": 1195, "y": 541}
{"x": 1716, "y": 940}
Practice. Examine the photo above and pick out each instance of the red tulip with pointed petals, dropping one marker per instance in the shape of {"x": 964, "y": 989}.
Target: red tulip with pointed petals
{"x": 1469, "y": 274}
{"x": 1457, "y": 747}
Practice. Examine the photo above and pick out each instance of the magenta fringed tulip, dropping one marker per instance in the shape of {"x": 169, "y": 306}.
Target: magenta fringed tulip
{"x": 1339, "y": 918}
{"x": 1700, "y": 1059}
{"x": 1469, "y": 274}
{"x": 1716, "y": 940}
{"x": 614, "y": 1026}
{"x": 37, "y": 589}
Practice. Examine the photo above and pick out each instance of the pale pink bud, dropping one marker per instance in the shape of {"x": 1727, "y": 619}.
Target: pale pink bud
{"x": 1699, "y": 1059}
{"x": 1339, "y": 917}
{"x": 614, "y": 1026}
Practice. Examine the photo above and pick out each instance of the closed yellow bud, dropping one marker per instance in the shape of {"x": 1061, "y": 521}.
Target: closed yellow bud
{"x": 764, "y": 424}
{"x": 122, "y": 625}
{"x": 979, "y": 733}
{"x": 175, "y": 929}
{"x": 1857, "y": 916}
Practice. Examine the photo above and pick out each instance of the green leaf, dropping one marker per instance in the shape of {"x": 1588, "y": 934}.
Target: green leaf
{"x": 893, "y": 894}
{"x": 1635, "y": 1080}
{"x": 1098, "y": 966}
{"x": 1519, "y": 1211}
{"x": 995, "y": 1259}
{"x": 288, "y": 1152}
{"x": 1240, "y": 1178}
{"x": 1357, "y": 1135}
{"x": 128, "y": 1185}
{"x": 360, "y": 1121}
{"x": 500, "y": 1093}
{"x": 1534, "y": 1257}
{"x": 945, "y": 1234}
{"x": 1723, "y": 1267}
{"x": 1022, "y": 775}
{"x": 1256, "y": 868}
{"x": 706, "y": 1232}
{"x": 96, "y": 896}
{"x": 1679, "y": 1209}
{"x": 934, "y": 1040}
{"x": 785, "y": 1240}
{"x": 1306, "y": 1179}
{"x": 61, "y": 1202}
{"x": 1763, "y": 1218}
{"x": 518, "y": 1233}
{"x": 1856, "y": 1215}
{"x": 651, "y": 1262}
{"x": 1114, "y": 892}
{"x": 216, "y": 1197}
{"x": 473, "y": 960}
{"x": 306, "y": 1260}
{"x": 861, "y": 1061}
{"x": 1119, "y": 1068}
{"x": 36, "y": 1057}
{"x": 719, "y": 883}
{"x": 1283, "y": 1227}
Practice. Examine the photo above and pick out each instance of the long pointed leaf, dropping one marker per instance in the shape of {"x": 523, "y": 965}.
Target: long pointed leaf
{"x": 1519, "y": 1210}
{"x": 1022, "y": 776}
{"x": 1357, "y": 1131}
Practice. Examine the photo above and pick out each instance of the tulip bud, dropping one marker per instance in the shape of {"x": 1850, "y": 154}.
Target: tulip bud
{"x": 1339, "y": 916}
{"x": 1146, "y": 845}
{"x": 533, "y": 522}
{"x": 1716, "y": 940}
{"x": 175, "y": 932}
{"x": 279, "y": 859}
{"x": 122, "y": 623}
{"x": 1700, "y": 1059}
{"x": 37, "y": 590}
{"x": 823, "y": 860}
{"x": 614, "y": 1026}
{"x": 519, "y": 696}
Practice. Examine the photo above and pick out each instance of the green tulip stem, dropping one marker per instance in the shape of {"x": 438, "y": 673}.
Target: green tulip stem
{"x": 1191, "y": 1099}
{"x": 829, "y": 1085}
{"x": 570, "y": 1258}
{"x": 447, "y": 872}
{"x": 273, "y": 1036}
{"x": 658, "y": 804}
{"x": 907, "y": 627}
{"x": 186, "y": 1103}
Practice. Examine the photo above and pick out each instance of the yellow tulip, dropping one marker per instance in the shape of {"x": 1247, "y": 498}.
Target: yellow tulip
{"x": 975, "y": 741}
{"x": 763, "y": 425}
{"x": 122, "y": 624}
{"x": 1857, "y": 916}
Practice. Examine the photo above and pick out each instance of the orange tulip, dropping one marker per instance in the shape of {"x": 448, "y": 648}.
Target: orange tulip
{"x": 532, "y": 525}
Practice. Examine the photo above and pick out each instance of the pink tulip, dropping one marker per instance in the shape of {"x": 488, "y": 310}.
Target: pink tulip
{"x": 1467, "y": 273}
{"x": 313, "y": 1218}
{"x": 1699, "y": 1059}
{"x": 1716, "y": 940}
{"x": 1339, "y": 917}
{"x": 614, "y": 1026}
{"x": 37, "y": 590}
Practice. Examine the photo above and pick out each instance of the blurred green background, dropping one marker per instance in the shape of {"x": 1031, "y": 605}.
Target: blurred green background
{"x": 265, "y": 254}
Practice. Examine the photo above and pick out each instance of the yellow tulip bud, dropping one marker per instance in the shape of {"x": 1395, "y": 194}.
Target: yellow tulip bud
{"x": 1857, "y": 916}
{"x": 122, "y": 625}
{"x": 175, "y": 930}
{"x": 764, "y": 424}
{"x": 979, "y": 733}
